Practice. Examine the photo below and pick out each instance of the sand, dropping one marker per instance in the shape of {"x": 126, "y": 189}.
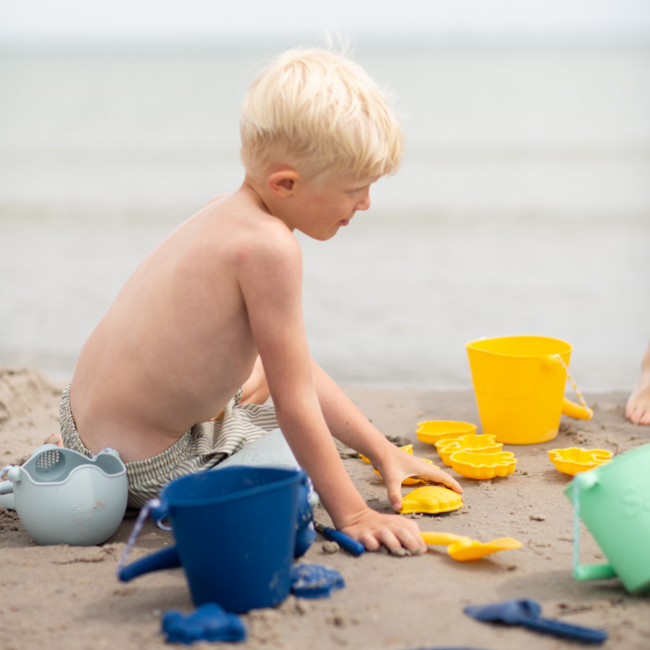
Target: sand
{"x": 61, "y": 597}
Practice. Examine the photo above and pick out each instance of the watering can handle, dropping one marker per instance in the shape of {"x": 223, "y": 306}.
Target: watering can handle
{"x": 578, "y": 411}
{"x": 585, "y": 571}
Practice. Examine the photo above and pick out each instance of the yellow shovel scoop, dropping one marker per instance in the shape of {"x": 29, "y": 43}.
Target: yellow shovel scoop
{"x": 465, "y": 549}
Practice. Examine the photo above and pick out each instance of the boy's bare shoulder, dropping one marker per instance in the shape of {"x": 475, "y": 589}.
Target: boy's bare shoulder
{"x": 251, "y": 231}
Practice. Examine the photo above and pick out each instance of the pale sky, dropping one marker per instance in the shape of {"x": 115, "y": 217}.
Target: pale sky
{"x": 214, "y": 22}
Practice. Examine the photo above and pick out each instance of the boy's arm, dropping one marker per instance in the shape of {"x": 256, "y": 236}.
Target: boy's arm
{"x": 348, "y": 424}
{"x": 269, "y": 273}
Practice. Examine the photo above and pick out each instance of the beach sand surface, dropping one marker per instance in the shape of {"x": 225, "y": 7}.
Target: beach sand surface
{"x": 68, "y": 598}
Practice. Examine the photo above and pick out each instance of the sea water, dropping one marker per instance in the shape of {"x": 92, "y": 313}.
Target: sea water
{"x": 522, "y": 206}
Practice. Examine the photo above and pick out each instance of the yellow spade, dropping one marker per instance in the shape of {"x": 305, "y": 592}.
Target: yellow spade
{"x": 464, "y": 549}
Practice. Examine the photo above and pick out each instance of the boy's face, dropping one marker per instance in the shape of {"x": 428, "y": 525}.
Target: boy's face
{"x": 322, "y": 206}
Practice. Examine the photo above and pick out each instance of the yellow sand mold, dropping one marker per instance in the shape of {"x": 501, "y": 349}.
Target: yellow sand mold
{"x": 478, "y": 444}
{"x": 431, "y": 431}
{"x": 431, "y": 499}
{"x": 483, "y": 466}
{"x": 575, "y": 459}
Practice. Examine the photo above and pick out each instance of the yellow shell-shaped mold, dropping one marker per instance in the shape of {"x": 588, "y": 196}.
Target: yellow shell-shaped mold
{"x": 431, "y": 431}
{"x": 410, "y": 480}
{"x": 575, "y": 459}
{"x": 431, "y": 499}
{"x": 407, "y": 448}
{"x": 485, "y": 444}
{"x": 482, "y": 465}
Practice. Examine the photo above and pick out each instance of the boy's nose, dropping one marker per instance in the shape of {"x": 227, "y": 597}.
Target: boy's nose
{"x": 364, "y": 204}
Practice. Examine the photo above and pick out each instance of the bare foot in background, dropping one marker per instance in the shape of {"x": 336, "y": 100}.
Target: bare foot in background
{"x": 54, "y": 439}
{"x": 637, "y": 409}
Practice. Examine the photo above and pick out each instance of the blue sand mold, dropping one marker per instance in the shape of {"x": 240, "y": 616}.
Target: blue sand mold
{"x": 208, "y": 623}
{"x": 314, "y": 581}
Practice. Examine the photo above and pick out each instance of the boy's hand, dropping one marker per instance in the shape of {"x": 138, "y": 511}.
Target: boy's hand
{"x": 399, "y": 465}
{"x": 373, "y": 529}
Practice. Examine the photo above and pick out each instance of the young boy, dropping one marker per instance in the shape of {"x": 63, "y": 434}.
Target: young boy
{"x": 217, "y": 306}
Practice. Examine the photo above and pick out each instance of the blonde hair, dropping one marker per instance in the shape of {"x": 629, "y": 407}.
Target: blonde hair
{"x": 322, "y": 114}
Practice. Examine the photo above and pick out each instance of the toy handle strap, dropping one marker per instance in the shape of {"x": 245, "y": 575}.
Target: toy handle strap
{"x": 579, "y": 411}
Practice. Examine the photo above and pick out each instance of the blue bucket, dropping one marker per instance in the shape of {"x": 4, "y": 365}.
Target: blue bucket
{"x": 235, "y": 532}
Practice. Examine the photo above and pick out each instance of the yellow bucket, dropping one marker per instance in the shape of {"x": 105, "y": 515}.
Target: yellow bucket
{"x": 519, "y": 384}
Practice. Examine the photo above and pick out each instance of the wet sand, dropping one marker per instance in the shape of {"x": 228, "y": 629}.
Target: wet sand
{"x": 61, "y": 597}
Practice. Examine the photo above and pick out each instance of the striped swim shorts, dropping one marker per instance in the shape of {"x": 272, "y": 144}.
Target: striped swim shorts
{"x": 199, "y": 448}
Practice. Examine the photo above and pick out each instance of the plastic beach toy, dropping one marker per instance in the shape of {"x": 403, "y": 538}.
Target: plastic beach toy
{"x": 575, "y": 459}
{"x": 235, "y": 532}
{"x": 519, "y": 384}
{"x": 613, "y": 501}
{"x": 343, "y": 540}
{"x": 431, "y": 431}
{"x": 465, "y": 549}
{"x": 482, "y": 465}
{"x": 411, "y": 480}
{"x": 208, "y": 623}
{"x": 431, "y": 499}
{"x": 64, "y": 497}
{"x": 315, "y": 581}
{"x": 407, "y": 448}
{"x": 485, "y": 444}
{"x": 527, "y": 612}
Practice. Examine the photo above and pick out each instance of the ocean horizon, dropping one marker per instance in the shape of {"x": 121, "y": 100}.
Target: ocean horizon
{"x": 522, "y": 205}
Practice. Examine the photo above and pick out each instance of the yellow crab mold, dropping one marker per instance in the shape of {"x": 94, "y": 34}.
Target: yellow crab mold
{"x": 431, "y": 499}
{"x": 485, "y": 444}
{"x": 407, "y": 448}
{"x": 483, "y": 466}
{"x": 431, "y": 431}
{"x": 575, "y": 459}
{"x": 414, "y": 480}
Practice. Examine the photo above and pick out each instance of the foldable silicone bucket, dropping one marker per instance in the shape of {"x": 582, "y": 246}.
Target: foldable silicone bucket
{"x": 519, "y": 384}
{"x": 613, "y": 500}
{"x": 235, "y": 533}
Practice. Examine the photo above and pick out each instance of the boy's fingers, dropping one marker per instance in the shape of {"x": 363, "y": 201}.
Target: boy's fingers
{"x": 369, "y": 541}
{"x": 439, "y": 476}
{"x": 388, "y": 538}
{"x": 412, "y": 541}
{"x": 394, "y": 489}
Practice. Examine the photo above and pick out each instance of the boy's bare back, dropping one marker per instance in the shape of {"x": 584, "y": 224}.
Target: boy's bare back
{"x": 177, "y": 343}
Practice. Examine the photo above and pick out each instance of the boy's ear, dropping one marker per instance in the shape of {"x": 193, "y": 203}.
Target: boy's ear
{"x": 282, "y": 183}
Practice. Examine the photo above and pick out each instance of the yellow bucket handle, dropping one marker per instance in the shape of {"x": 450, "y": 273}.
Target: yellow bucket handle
{"x": 570, "y": 408}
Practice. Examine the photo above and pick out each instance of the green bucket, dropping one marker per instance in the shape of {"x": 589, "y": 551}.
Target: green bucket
{"x": 614, "y": 502}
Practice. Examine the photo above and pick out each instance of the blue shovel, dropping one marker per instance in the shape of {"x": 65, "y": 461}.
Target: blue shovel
{"x": 527, "y": 612}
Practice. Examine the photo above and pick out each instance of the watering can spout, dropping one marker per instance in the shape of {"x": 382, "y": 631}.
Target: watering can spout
{"x": 166, "y": 559}
{"x": 576, "y": 411}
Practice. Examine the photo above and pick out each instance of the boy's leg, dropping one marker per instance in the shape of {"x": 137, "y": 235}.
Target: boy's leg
{"x": 637, "y": 409}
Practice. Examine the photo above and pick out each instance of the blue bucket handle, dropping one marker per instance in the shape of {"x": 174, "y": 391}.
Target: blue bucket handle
{"x": 156, "y": 508}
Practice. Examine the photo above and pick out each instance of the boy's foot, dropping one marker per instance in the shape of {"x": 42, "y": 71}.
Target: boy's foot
{"x": 637, "y": 409}
{"x": 54, "y": 439}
